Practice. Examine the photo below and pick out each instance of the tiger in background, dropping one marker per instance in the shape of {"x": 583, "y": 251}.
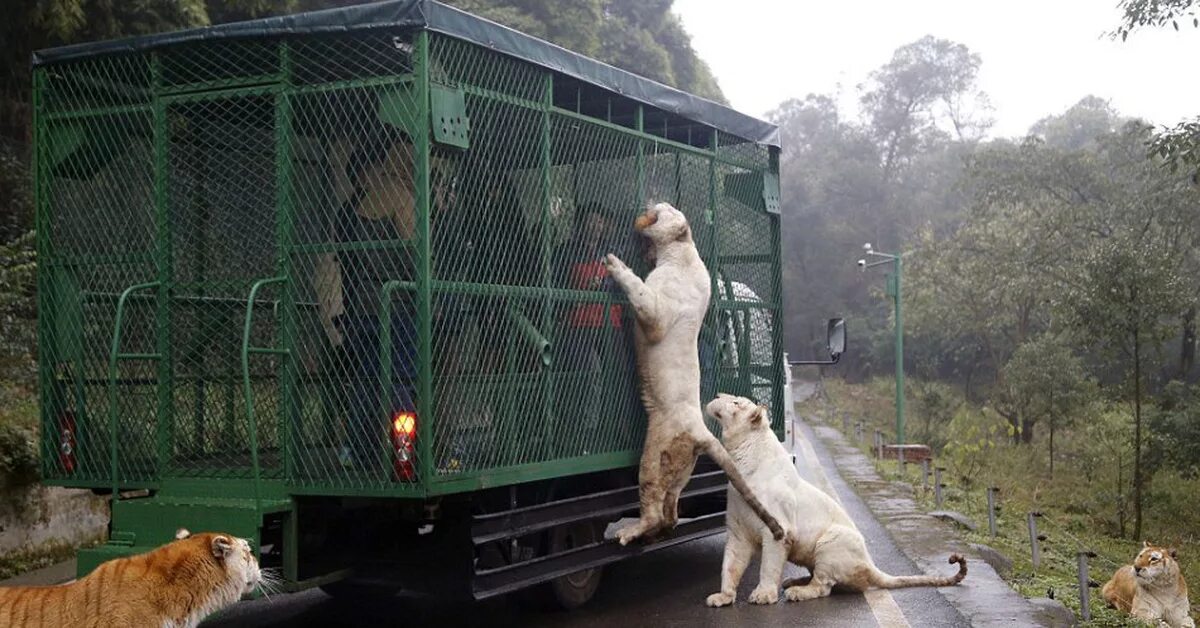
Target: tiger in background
{"x": 174, "y": 586}
{"x": 1151, "y": 589}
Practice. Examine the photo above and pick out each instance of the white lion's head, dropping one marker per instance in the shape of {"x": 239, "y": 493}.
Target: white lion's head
{"x": 738, "y": 416}
{"x": 662, "y": 224}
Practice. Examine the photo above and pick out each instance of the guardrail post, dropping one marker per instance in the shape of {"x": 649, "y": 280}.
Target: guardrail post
{"x": 1085, "y": 606}
{"x": 991, "y": 505}
{"x": 858, "y": 432}
{"x": 845, "y": 422}
{"x": 937, "y": 485}
{"x": 1034, "y": 539}
{"x": 879, "y": 444}
{"x": 925, "y": 475}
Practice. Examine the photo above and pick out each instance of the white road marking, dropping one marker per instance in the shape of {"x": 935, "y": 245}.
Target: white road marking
{"x": 883, "y": 606}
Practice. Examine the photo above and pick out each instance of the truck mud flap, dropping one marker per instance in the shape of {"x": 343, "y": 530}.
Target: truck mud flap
{"x": 606, "y": 506}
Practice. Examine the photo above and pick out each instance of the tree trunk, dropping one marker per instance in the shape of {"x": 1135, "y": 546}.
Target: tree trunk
{"x": 1051, "y": 449}
{"x": 1027, "y": 430}
{"x": 1137, "y": 437}
{"x": 1187, "y": 348}
{"x": 1121, "y": 494}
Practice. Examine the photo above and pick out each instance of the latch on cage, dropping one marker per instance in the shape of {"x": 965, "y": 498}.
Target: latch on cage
{"x": 448, "y": 109}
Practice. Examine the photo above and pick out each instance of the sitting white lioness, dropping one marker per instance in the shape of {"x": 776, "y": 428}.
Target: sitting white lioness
{"x": 670, "y": 306}
{"x": 1151, "y": 589}
{"x": 820, "y": 536}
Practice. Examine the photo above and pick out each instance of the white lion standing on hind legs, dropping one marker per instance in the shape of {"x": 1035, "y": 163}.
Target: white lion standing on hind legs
{"x": 670, "y": 306}
{"x": 820, "y": 535}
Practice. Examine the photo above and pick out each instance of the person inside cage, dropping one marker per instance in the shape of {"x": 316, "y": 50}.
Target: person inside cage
{"x": 375, "y": 225}
{"x": 591, "y": 329}
{"x": 373, "y": 220}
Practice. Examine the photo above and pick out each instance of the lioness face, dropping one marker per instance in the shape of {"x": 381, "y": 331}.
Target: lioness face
{"x": 1152, "y": 563}
{"x": 737, "y": 415}
{"x": 662, "y": 224}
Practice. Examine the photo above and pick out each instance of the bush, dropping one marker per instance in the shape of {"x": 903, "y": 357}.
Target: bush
{"x": 19, "y": 456}
{"x": 18, "y": 312}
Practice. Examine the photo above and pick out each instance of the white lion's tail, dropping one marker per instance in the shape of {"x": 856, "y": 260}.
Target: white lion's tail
{"x": 885, "y": 581}
{"x": 717, "y": 452}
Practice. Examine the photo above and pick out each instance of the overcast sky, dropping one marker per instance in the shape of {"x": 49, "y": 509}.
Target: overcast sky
{"x": 1039, "y": 57}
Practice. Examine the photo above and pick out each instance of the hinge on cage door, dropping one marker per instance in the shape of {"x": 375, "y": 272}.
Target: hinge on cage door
{"x": 771, "y": 192}
{"x": 448, "y": 110}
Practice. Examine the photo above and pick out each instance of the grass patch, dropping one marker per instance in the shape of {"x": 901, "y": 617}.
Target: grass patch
{"x": 1080, "y": 502}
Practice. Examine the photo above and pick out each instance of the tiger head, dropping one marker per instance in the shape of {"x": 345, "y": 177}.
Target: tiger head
{"x": 1155, "y": 565}
{"x": 233, "y": 555}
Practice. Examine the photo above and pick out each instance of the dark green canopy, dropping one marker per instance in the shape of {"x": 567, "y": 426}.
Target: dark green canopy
{"x": 440, "y": 18}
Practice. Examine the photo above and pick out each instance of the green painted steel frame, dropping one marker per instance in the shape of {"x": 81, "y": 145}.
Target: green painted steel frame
{"x": 424, "y": 286}
{"x": 251, "y": 414}
{"x": 114, "y": 357}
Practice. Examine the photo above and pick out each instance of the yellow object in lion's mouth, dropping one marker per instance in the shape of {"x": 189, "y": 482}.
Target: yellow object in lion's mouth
{"x": 645, "y": 220}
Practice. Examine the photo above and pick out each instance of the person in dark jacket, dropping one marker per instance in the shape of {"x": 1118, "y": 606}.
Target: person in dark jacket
{"x": 374, "y": 225}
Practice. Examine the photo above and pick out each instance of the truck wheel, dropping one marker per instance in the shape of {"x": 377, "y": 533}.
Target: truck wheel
{"x": 574, "y": 590}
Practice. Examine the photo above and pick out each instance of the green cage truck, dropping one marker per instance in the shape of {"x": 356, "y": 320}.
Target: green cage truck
{"x": 331, "y": 282}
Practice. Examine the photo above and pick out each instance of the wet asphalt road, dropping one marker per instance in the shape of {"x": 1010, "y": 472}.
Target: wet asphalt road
{"x": 664, "y": 589}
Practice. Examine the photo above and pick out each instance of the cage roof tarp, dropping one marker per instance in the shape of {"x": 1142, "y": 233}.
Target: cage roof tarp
{"x": 440, "y": 18}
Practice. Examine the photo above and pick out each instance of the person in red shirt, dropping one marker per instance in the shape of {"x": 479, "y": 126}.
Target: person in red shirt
{"x": 593, "y": 339}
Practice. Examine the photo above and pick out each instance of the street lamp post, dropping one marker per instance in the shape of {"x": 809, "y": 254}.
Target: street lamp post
{"x": 894, "y": 291}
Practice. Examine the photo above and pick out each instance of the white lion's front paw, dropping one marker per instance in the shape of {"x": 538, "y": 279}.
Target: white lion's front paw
{"x": 629, "y": 533}
{"x": 614, "y": 263}
{"x": 797, "y": 594}
{"x": 764, "y": 595}
{"x": 717, "y": 600}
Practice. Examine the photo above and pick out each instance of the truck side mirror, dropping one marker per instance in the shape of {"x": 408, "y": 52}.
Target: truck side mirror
{"x": 835, "y": 338}
{"x": 835, "y": 343}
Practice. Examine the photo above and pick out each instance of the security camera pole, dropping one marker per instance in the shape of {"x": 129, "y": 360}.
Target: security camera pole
{"x": 893, "y": 290}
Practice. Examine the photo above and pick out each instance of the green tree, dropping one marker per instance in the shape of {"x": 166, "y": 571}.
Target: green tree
{"x": 34, "y": 24}
{"x": 1049, "y": 383}
{"x": 924, "y": 88}
{"x": 1080, "y": 126}
{"x": 1179, "y": 146}
{"x": 1175, "y": 427}
{"x": 878, "y": 175}
{"x": 1128, "y": 284}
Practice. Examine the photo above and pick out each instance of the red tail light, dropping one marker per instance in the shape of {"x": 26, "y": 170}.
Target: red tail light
{"x": 67, "y": 440}
{"x": 404, "y": 444}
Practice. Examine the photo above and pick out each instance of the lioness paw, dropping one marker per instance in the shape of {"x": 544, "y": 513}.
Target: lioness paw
{"x": 761, "y": 595}
{"x": 717, "y": 600}
{"x": 629, "y": 534}
{"x": 799, "y": 594}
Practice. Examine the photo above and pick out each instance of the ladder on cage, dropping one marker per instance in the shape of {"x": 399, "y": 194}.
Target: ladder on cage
{"x": 115, "y": 356}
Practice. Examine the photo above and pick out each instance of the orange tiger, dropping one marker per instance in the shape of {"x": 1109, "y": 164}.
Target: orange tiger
{"x": 174, "y": 586}
{"x": 1151, "y": 589}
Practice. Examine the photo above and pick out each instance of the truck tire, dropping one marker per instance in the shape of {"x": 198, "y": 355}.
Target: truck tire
{"x": 574, "y": 590}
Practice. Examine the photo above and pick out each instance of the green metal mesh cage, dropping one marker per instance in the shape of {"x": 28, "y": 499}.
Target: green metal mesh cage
{"x": 368, "y": 263}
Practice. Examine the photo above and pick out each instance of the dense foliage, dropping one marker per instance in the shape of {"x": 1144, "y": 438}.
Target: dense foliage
{"x": 1044, "y": 274}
